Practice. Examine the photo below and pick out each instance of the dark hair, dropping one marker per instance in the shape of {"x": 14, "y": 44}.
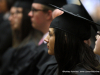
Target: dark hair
{"x": 47, "y": 8}
{"x": 10, "y": 3}
{"x": 71, "y": 52}
{"x": 26, "y": 26}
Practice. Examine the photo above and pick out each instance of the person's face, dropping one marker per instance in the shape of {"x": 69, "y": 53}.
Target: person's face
{"x": 12, "y": 17}
{"x": 3, "y": 6}
{"x": 16, "y": 18}
{"x": 97, "y": 45}
{"x": 50, "y": 39}
{"x": 38, "y": 17}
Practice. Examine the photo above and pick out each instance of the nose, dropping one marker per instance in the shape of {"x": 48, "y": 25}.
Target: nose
{"x": 46, "y": 39}
{"x": 97, "y": 36}
{"x": 30, "y": 14}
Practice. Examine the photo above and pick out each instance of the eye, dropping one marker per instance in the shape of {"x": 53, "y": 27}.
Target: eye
{"x": 33, "y": 9}
{"x": 50, "y": 34}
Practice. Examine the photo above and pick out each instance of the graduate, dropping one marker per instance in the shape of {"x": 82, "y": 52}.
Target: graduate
{"x": 5, "y": 30}
{"x": 65, "y": 41}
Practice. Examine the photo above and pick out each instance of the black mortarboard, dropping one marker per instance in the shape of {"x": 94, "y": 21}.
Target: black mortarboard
{"x": 75, "y": 21}
{"x": 24, "y": 3}
{"x": 58, "y": 3}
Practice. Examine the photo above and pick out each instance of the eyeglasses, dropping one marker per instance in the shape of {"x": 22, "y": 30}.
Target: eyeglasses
{"x": 17, "y": 11}
{"x": 33, "y": 9}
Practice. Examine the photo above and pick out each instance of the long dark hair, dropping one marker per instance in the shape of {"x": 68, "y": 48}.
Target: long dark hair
{"x": 26, "y": 26}
{"x": 70, "y": 52}
{"x": 10, "y": 3}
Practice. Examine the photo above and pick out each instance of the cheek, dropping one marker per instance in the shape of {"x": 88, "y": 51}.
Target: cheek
{"x": 19, "y": 19}
{"x": 39, "y": 19}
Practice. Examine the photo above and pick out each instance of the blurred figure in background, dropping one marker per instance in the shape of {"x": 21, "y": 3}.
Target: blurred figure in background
{"x": 92, "y": 8}
{"x": 96, "y": 16}
{"x": 1, "y": 17}
{"x": 24, "y": 37}
{"x": 5, "y": 29}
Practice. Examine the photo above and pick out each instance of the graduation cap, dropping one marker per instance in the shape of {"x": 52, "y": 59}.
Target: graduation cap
{"x": 58, "y": 3}
{"x": 75, "y": 20}
{"x": 24, "y": 3}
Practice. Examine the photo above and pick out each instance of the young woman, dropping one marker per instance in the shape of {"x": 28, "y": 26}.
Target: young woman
{"x": 5, "y": 30}
{"x": 65, "y": 41}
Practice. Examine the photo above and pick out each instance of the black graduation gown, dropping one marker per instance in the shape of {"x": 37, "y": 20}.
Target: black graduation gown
{"x": 1, "y": 17}
{"x": 77, "y": 71}
{"x": 6, "y": 58}
{"x": 83, "y": 71}
{"x": 5, "y": 36}
{"x": 42, "y": 62}
{"x": 19, "y": 59}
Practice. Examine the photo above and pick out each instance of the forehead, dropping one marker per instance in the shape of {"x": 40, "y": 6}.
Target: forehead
{"x": 37, "y": 5}
{"x": 51, "y": 30}
{"x": 13, "y": 9}
{"x": 19, "y": 8}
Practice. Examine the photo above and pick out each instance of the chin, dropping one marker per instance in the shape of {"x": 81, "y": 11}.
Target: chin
{"x": 50, "y": 53}
{"x": 33, "y": 25}
{"x": 95, "y": 51}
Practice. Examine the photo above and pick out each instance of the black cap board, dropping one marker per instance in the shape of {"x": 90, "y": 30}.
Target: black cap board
{"x": 24, "y": 3}
{"x": 58, "y": 3}
{"x": 75, "y": 20}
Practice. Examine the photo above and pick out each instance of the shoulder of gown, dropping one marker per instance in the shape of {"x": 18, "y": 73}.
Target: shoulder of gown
{"x": 83, "y": 71}
{"x": 5, "y": 36}
{"x": 42, "y": 62}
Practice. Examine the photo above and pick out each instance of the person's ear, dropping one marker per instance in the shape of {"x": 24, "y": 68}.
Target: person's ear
{"x": 49, "y": 15}
{"x": 87, "y": 42}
